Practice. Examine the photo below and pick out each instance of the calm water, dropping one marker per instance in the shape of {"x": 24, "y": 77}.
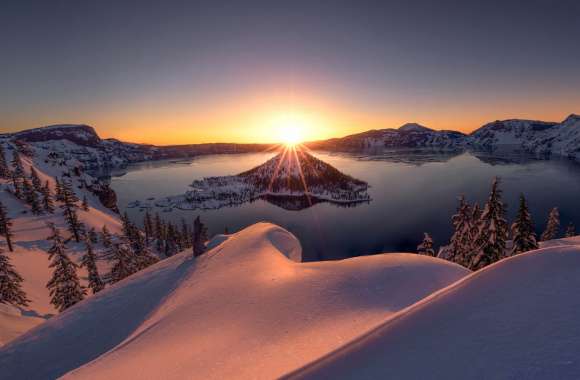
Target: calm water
{"x": 412, "y": 193}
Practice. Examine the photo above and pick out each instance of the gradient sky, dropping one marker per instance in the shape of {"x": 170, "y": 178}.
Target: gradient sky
{"x": 194, "y": 71}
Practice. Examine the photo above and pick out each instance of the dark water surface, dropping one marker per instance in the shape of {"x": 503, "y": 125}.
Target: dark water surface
{"x": 412, "y": 192}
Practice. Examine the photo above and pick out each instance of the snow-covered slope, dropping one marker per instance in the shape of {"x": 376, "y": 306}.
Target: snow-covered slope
{"x": 243, "y": 310}
{"x": 516, "y": 319}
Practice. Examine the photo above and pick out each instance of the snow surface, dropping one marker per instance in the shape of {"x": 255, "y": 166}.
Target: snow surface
{"x": 243, "y": 310}
{"x": 516, "y": 319}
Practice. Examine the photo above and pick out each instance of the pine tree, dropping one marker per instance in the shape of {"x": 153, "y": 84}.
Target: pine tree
{"x": 18, "y": 168}
{"x": 106, "y": 237}
{"x": 64, "y": 286}
{"x": 571, "y": 230}
{"x": 185, "y": 235}
{"x": 70, "y": 216}
{"x": 85, "y": 204}
{"x": 92, "y": 235}
{"x": 199, "y": 237}
{"x": 89, "y": 261}
{"x": 16, "y": 185}
{"x": 552, "y": 225}
{"x": 461, "y": 243}
{"x": 170, "y": 241}
{"x": 523, "y": 234}
{"x": 58, "y": 190}
{"x": 4, "y": 170}
{"x": 148, "y": 227}
{"x": 145, "y": 259}
{"x": 36, "y": 183}
{"x": 426, "y": 247}
{"x": 47, "y": 203}
{"x": 31, "y": 197}
{"x": 493, "y": 231}
{"x": 68, "y": 192}
{"x": 123, "y": 262}
{"x": 6, "y": 227}
{"x": 10, "y": 284}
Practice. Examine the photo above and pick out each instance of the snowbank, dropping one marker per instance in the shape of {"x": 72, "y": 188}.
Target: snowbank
{"x": 243, "y": 310}
{"x": 516, "y": 319}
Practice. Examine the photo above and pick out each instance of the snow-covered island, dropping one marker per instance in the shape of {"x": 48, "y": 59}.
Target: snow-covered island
{"x": 293, "y": 179}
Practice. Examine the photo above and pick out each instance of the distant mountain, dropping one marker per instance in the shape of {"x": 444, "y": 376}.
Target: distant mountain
{"x": 82, "y": 143}
{"x": 531, "y": 136}
{"x": 293, "y": 179}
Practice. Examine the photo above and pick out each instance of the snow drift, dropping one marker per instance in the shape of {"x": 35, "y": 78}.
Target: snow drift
{"x": 516, "y": 319}
{"x": 243, "y": 310}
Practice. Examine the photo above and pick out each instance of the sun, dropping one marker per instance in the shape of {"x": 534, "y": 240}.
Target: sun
{"x": 290, "y": 130}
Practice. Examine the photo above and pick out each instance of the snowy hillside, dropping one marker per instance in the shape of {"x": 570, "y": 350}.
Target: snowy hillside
{"x": 243, "y": 310}
{"x": 516, "y": 319}
{"x": 291, "y": 174}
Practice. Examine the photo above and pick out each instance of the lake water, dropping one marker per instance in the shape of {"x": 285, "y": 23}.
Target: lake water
{"x": 411, "y": 193}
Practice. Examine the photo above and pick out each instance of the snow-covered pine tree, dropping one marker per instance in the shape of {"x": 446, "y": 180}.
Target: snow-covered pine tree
{"x": 68, "y": 192}
{"x": 17, "y": 186}
{"x": 106, "y": 237}
{"x": 461, "y": 242}
{"x": 426, "y": 246}
{"x": 36, "y": 183}
{"x": 185, "y": 235}
{"x": 6, "y": 227}
{"x": 64, "y": 285}
{"x": 171, "y": 247}
{"x": 18, "y": 168}
{"x": 31, "y": 197}
{"x": 47, "y": 203}
{"x": 123, "y": 262}
{"x": 71, "y": 218}
{"x": 85, "y": 204}
{"x": 552, "y": 225}
{"x": 148, "y": 227}
{"x": 10, "y": 284}
{"x": 89, "y": 261}
{"x": 199, "y": 237}
{"x": 4, "y": 170}
{"x": 58, "y": 189}
{"x": 159, "y": 233}
{"x": 523, "y": 234}
{"x": 570, "y": 230}
{"x": 145, "y": 259}
{"x": 493, "y": 231}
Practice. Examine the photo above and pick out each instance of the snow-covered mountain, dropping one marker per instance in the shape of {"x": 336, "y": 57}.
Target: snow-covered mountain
{"x": 531, "y": 136}
{"x": 246, "y": 309}
{"x": 411, "y": 135}
{"x": 82, "y": 143}
{"x": 293, "y": 179}
{"x": 515, "y": 319}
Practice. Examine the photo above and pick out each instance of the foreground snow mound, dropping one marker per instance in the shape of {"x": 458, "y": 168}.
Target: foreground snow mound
{"x": 243, "y": 310}
{"x": 517, "y": 319}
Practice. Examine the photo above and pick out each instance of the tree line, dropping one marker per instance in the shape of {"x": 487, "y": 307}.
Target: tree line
{"x": 481, "y": 236}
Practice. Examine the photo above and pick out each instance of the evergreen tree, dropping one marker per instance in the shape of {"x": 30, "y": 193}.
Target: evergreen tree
{"x": 64, "y": 286}
{"x": 47, "y": 203}
{"x": 493, "y": 231}
{"x": 58, "y": 190}
{"x": 123, "y": 262}
{"x": 6, "y": 227}
{"x": 199, "y": 237}
{"x": 171, "y": 247}
{"x": 185, "y": 235}
{"x": 16, "y": 185}
{"x": 10, "y": 284}
{"x": 462, "y": 240}
{"x": 36, "y": 183}
{"x": 18, "y": 168}
{"x": 70, "y": 216}
{"x": 426, "y": 247}
{"x": 148, "y": 227}
{"x": 85, "y": 204}
{"x": 92, "y": 235}
{"x": 31, "y": 197}
{"x": 571, "y": 230}
{"x": 145, "y": 259}
{"x": 106, "y": 237}
{"x": 523, "y": 234}
{"x": 4, "y": 170}
{"x": 552, "y": 225}
{"x": 89, "y": 261}
{"x": 68, "y": 192}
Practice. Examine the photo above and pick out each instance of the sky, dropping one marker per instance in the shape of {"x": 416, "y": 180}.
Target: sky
{"x": 170, "y": 72}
